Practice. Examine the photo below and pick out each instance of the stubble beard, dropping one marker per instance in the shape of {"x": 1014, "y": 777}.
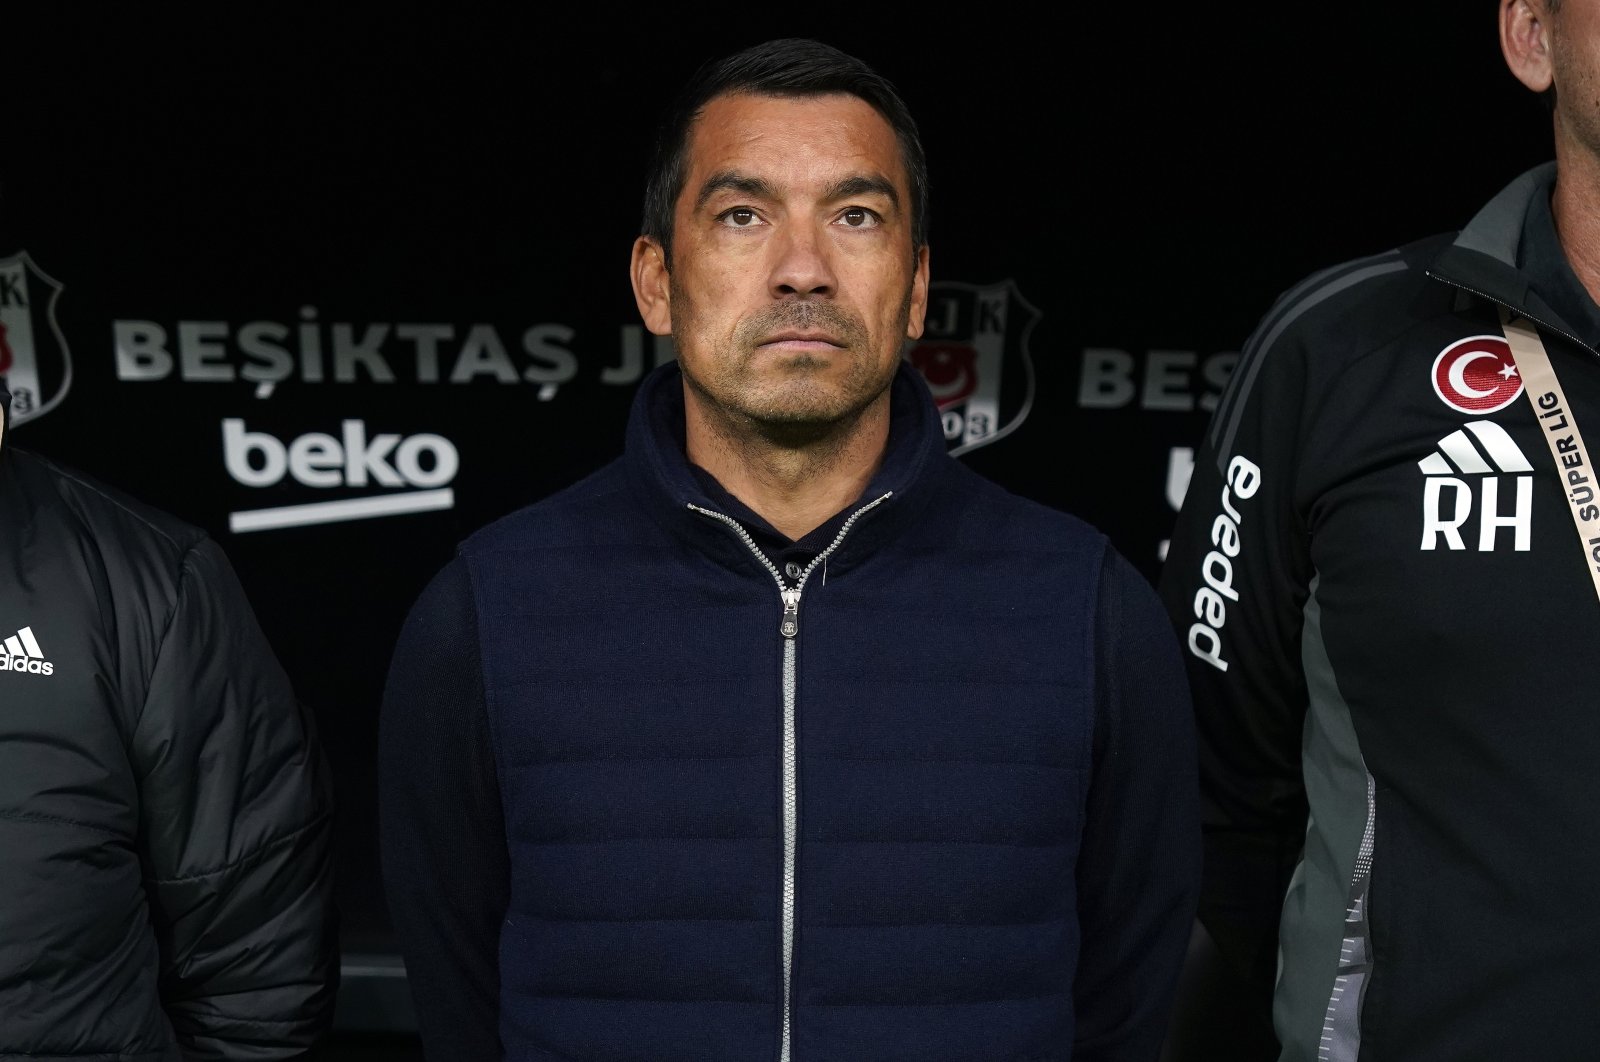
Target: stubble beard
{"x": 794, "y": 407}
{"x": 1579, "y": 99}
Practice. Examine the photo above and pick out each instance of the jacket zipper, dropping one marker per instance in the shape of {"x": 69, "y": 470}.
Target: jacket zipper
{"x": 1519, "y": 311}
{"x": 788, "y": 629}
{"x": 1355, "y": 950}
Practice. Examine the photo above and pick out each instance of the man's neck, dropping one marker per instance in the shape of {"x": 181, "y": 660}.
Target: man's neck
{"x": 1576, "y": 207}
{"x": 795, "y": 488}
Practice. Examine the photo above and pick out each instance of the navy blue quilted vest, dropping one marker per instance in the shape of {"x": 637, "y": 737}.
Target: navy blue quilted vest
{"x": 854, "y": 840}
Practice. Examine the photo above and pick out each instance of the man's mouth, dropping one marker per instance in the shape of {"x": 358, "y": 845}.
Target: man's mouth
{"x": 802, "y": 340}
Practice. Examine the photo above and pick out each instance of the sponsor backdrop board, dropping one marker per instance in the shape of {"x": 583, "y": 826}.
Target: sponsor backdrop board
{"x": 341, "y": 290}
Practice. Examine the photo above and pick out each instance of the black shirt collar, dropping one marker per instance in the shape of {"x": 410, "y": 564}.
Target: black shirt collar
{"x": 1550, "y": 275}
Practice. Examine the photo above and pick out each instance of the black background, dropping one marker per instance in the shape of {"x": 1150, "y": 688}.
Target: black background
{"x": 1148, "y": 179}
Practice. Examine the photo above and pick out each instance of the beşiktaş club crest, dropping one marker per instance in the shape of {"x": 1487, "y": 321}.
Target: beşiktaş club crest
{"x": 974, "y": 355}
{"x": 33, "y": 353}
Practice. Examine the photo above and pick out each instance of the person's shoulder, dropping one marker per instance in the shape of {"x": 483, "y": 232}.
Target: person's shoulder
{"x": 991, "y": 516}
{"x": 1361, "y": 302}
{"x": 113, "y": 518}
{"x": 572, "y": 515}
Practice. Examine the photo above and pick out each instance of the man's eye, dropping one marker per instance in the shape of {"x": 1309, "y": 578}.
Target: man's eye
{"x": 859, "y": 218}
{"x": 739, "y": 217}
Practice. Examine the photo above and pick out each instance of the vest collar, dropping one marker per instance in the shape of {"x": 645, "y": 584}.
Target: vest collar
{"x": 659, "y": 468}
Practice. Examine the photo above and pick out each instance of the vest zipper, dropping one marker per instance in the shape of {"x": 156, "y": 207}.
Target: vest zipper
{"x": 788, "y": 629}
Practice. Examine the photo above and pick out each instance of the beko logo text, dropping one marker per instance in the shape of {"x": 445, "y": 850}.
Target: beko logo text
{"x": 420, "y": 465}
{"x": 354, "y": 460}
{"x": 1210, "y": 601}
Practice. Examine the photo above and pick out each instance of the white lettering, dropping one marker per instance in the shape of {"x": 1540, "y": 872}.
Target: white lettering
{"x": 1244, "y": 476}
{"x": 1211, "y": 653}
{"x": 1221, "y": 583}
{"x": 1106, "y": 381}
{"x": 348, "y": 352}
{"x": 1434, "y": 523}
{"x": 201, "y": 355}
{"x": 555, "y": 363}
{"x": 482, "y": 354}
{"x": 310, "y": 346}
{"x": 1243, "y": 480}
{"x": 362, "y": 458}
{"x": 444, "y": 459}
{"x": 1180, "y": 470}
{"x": 1225, "y": 536}
{"x": 1166, "y": 380}
{"x": 427, "y": 338}
{"x": 1208, "y": 607}
{"x": 141, "y": 348}
{"x": 1521, "y": 519}
{"x": 315, "y": 460}
{"x": 353, "y": 459}
{"x": 1162, "y": 380}
{"x": 237, "y": 446}
{"x": 271, "y": 363}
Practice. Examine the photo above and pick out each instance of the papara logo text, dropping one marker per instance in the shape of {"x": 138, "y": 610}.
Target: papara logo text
{"x": 20, "y": 654}
{"x": 1216, "y": 570}
{"x": 413, "y": 471}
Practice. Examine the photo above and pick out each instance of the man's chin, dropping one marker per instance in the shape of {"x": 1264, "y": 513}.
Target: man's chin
{"x": 807, "y": 404}
{"x": 800, "y": 421}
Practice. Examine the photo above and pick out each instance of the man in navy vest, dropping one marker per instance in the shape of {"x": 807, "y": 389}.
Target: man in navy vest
{"x": 785, "y": 736}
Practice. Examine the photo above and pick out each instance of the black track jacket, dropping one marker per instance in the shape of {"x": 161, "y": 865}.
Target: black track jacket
{"x": 1394, "y": 645}
{"x": 165, "y": 886}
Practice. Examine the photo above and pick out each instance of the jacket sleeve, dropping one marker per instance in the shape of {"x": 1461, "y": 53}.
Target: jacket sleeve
{"x": 1235, "y": 581}
{"x": 235, "y": 808}
{"x": 445, "y": 868}
{"x": 1138, "y": 869}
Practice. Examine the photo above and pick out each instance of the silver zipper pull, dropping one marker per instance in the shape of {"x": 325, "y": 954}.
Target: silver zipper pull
{"x": 791, "y": 613}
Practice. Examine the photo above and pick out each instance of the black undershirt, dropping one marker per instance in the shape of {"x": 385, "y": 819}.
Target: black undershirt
{"x": 789, "y": 556}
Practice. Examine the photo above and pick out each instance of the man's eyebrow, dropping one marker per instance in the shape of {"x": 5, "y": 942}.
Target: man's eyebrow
{"x": 757, "y": 188}
{"x": 863, "y": 184}
{"x": 733, "y": 181}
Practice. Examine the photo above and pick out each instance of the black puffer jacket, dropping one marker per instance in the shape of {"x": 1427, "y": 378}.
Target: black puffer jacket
{"x": 165, "y": 881}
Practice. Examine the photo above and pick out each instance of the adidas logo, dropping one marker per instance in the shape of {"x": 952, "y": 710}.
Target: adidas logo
{"x": 23, "y": 655}
{"x": 1481, "y": 449}
{"x": 1456, "y": 452}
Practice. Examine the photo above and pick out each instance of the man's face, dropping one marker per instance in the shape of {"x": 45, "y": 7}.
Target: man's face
{"x": 1575, "y": 68}
{"x": 793, "y": 281}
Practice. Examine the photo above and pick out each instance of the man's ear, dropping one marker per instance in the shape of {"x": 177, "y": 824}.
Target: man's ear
{"x": 652, "y": 287}
{"x": 1525, "y": 42}
{"x": 919, "y": 295}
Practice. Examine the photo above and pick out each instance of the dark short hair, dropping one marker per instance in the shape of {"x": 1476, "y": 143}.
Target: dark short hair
{"x": 785, "y": 67}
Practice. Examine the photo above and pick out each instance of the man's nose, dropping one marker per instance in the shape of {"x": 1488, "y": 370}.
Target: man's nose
{"x": 802, "y": 264}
